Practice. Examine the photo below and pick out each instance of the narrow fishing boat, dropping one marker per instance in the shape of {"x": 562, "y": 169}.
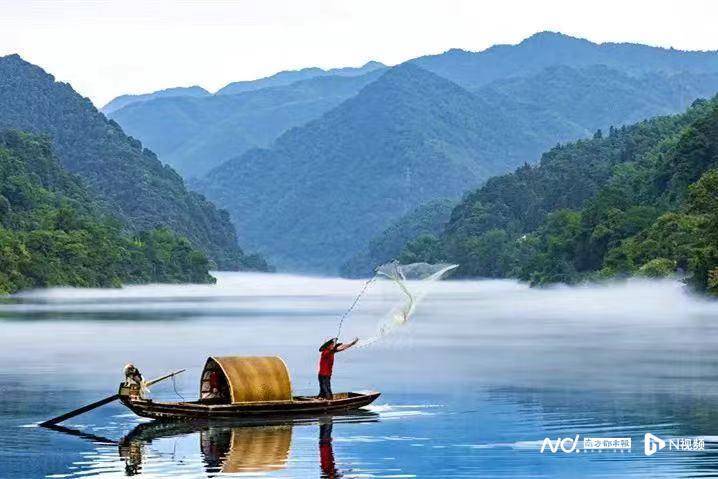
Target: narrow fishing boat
{"x": 238, "y": 387}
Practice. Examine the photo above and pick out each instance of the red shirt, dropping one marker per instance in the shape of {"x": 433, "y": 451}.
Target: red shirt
{"x": 326, "y": 362}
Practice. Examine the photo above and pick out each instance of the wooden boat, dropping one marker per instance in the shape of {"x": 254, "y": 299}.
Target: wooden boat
{"x": 242, "y": 387}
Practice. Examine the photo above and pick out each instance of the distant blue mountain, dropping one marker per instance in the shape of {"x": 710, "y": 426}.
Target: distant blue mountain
{"x": 193, "y": 135}
{"x": 475, "y": 69}
{"x": 289, "y": 77}
{"x": 125, "y": 100}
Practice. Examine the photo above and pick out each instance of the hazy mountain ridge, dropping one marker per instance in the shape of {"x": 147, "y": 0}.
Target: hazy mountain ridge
{"x": 597, "y": 96}
{"x": 194, "y": 135}
{"x": 126, "y": 100}
{"x": 291, "y": 76}
{"x": 541, "y": 50}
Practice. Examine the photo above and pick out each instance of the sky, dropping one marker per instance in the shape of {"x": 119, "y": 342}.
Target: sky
{"x": 106, "y": 48}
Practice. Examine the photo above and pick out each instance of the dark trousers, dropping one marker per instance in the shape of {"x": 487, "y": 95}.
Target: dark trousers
{"x": 325, "y": 387}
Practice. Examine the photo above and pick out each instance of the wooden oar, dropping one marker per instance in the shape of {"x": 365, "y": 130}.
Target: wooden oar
{"x": 101, "y": 402}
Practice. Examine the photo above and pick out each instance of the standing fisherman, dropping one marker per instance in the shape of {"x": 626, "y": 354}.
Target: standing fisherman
{"x": 326, "y": 363}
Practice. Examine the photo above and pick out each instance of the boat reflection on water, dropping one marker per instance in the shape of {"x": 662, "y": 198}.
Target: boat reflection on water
{"x": 246, "y": 449}
{"x": 231, "y": 446}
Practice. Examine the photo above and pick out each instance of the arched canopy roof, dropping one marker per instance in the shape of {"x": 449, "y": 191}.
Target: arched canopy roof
{"x": 254, "y": 378}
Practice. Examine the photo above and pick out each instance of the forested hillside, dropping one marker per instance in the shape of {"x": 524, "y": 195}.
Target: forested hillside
{"x": 641, "y": 200}
{"x": 130, "y": 181}
{"x": 52, "y": 232}
{"x": 194, "y": 135}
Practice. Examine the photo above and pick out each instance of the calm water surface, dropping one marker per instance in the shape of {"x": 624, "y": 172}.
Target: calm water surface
{"x": 483, "y": 372}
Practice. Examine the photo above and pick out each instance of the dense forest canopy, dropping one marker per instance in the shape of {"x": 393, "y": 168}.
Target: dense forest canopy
{"x": 53, "y": 233}
{"x": 640, "y": 200}
{"x": 128, "y": 180}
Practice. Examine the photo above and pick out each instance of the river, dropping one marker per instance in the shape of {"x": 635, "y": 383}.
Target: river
{"x": 471, "y": 386}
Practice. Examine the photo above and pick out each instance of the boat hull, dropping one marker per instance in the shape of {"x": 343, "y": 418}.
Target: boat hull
{"x": 299, "y": 405}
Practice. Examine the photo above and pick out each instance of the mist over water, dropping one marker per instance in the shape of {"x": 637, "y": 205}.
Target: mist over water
{"x": 471, "y": 384}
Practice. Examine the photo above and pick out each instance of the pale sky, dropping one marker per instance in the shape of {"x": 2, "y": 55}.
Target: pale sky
{"x": 105, "y": 48}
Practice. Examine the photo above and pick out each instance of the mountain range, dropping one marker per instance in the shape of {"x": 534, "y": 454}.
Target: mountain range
{"x": 325, "y": 188}
{"x": 194, "y": 135}
{"x": 473, "y": 70}
{"x": 378, "y": 137}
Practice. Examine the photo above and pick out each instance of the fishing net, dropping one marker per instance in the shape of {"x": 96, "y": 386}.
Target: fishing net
{"x": 414, "y": 281}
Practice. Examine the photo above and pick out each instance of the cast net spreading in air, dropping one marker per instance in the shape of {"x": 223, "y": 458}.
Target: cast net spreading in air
{"x": 413, "y": 281}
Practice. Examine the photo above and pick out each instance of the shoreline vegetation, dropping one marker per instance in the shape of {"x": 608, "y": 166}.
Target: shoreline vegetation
{"x": 640, "y": 201}
{"x": 53, "y": 233}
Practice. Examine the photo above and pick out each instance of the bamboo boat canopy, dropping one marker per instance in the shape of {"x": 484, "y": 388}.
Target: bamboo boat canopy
{"x": 248, "y": 378}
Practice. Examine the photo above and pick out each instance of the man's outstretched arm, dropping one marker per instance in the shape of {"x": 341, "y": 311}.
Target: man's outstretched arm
{"x": 343, "y": 347}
